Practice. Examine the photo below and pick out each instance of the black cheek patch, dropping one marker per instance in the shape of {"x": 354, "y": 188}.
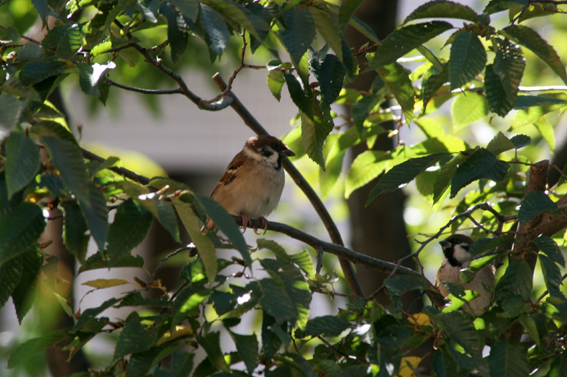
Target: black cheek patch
{"x": 266, "y": 152}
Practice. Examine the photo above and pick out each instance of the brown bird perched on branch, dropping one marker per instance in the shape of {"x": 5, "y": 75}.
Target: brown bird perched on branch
{"x": 456, "y": 256}
{"x": 252, "y": 184}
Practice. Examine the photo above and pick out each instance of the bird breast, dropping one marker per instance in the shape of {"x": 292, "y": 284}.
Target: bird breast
{"x": 255, "y": 193}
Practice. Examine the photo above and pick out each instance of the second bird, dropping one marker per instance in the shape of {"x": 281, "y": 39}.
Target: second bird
{"x": 456, "y": 256}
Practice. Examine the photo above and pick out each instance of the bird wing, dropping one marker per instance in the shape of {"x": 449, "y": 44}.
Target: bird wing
{"x": 230, "y": 173}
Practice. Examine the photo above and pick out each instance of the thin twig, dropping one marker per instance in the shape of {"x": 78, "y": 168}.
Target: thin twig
{"x": 23, "y": 36}
{"x": 183, "y": 88}
{"x": 142, "y": 90}
{"x": 170, "y": 255}
{"x": 231, "y": 79}
{"x": 122, "y": 171}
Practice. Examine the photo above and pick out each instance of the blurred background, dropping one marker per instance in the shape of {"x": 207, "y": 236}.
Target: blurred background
{"x": 168, "y": 135}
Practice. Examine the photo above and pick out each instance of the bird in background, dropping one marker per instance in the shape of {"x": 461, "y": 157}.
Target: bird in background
{"x": 456, "y": 256}
{"x": 252, "y": 184}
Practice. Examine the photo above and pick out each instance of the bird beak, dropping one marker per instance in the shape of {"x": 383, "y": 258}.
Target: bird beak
{"x": 445, "y": 244}
{"x": 287, "y": 152}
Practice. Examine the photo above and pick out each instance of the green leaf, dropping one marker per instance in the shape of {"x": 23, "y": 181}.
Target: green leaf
{"x": 92, "y": 79}
{"x": 485, "y": 244}
{"x": 91, "y": 313}
{"x": 516, "y": 281}
{"x": 523, "y": 102}
{"x": 36, "y": 71}
{"x": 327, "y": 325}
{"x": 135, "y": 337}
{"x": 24, "y": 293}
{"x": 365, "y": 167}
{"x": 149, "y": 9}
{"x": 330, "y": 75}
{"x": 533, "y": 204}
{"x": 362, "y": 108}
{"x": 499, "y": 144}
{"x": 276, "y": 302}
{"x": 551, "y": 276}
{"x": 21, "y": 354}
{"x": 509, "y": 66}
{"x": 141, "y": 363}
{"x": 275, "y": 81}
{"x": 495, "y": 93}
{"x": 181, "y": 366}
{"x": 70, "y": 42}
{"x": 530, "y": 39}
{"x": 30, "y": 51}
{"x": 405, "y": 39}
{"x": 397, "y": 80}
{"x": 247, "y": 348}
{"x": 314, "y": 131}
{"x": 300, "y": 97}
{"x": 211, "y": 344}
{"x": 163, "y": 211}
{"x": 131, "y": 225}
{"x": 547, "y": 132}
{"x": 20, "y": 229}
{"x": 189, "y": 8}
{"x": 96, "y": 214}
{"x": 74, "y": 231}
{"x": 327, "y": 27}
{"x": 66, "y": 155}
{"x": 467, "y": 59}
{"x": 224, "y": 221}
{"x": 204, "y": 245}
{"x": 11, "y": 108}
{"x": 520, "y": 141}
{"x": 431, "y": 82}
{"x": 458, "y": 328}
{"x": 334, "y": 166}
{"x": 508, "y": 359}
{"x": 442, "y": 9}
{"x": 214, "y": 25}
{"x": 443, "y": 363}
{"x": 99, "y": 260}
{"x": 299, "y": 32}
{"x": 468, "y": 108}
{"x": 480, "y": 164}
{"x": 548, "y": 246}
{"x": 559, "y": 365}
{"x": 398, "y": 285}
{"x": 345, "y": 13}
{"x": 10, "y": 275}
{"x": 22, "y": 162}
{"x": 177, "y": 31}
{"x": 403, "y": 173}
{"x": 244, "y": 17}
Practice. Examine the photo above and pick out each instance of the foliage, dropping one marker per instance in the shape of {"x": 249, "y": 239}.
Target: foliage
{"x": 44, "y": 169}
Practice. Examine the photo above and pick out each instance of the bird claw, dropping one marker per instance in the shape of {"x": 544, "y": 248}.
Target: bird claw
{"x": 264, "y": 226}
{"x": 246, "y": 222}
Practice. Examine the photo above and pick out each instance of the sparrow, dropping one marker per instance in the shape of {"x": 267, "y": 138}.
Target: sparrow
{"x": 252, "y": 184}
{"x": 456, "y": 256}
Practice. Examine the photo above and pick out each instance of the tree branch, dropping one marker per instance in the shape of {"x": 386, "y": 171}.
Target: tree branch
{"x": 122, "y": 171}
{"x": 331, "y": 248}
{"x": 316, "y": 202}
{"x": 142, "y": 90}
